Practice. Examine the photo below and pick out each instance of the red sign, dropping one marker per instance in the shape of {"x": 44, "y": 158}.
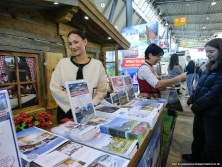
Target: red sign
{"x": 132, "y": 62}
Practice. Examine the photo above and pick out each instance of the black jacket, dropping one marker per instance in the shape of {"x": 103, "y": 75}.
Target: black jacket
{"x": 190, "y": 68}
{"x": 207, "y": 95}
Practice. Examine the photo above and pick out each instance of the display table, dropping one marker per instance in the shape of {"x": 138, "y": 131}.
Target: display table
{"x": 142, "y": 155}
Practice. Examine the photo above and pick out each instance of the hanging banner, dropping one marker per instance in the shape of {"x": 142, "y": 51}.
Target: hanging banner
{"x": 179, "y": 21}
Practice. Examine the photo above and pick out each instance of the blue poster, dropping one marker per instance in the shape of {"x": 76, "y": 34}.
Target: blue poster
{"x": 151, "y": 154}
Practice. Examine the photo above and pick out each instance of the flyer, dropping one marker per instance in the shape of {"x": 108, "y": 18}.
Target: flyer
{"x": 80, "y": 100}
{"x": 9, "y": 152}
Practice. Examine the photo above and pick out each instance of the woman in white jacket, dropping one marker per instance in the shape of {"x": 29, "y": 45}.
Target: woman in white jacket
{"x": 79, "y": 66}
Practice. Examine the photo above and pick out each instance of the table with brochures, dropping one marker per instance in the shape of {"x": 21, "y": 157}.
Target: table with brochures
{"x": 141, "y": 155}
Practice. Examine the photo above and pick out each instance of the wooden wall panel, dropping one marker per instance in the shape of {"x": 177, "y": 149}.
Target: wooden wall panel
{"x": 51, "y": 60}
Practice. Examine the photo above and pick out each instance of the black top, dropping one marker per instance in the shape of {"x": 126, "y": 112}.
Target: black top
{"x": 190, "y": 68}
{"x": 79, "y": 74}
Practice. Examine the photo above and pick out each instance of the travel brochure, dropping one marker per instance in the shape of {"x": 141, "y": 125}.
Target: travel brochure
{"x": 9, "y": 151}
{"x": 35, "y": 142}
{"x": 114, "y": 145}
{"x": 123, "y": 89}
{"x": 80, "y": 100}
{"x": 74, "y": 154}
{"x": 75, "y": 131}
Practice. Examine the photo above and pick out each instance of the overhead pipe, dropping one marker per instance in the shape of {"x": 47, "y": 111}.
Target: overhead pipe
{"x": 129, "y": 13}
{"x": 112, "y": 11}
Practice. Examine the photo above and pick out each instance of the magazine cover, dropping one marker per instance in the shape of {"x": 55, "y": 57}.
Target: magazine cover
{"x": 35, "y": 142}
{"x": 122, "y": 97}
{"x": 80, "y": 155}
{"x": 130, "y": 92}
{"x": 80, "y": 100}
{"x": 117, "y": 83}
{"x": 114, "y": 98}
{"x": 9, "y": 151}
{"x": 127, "y": 80}
{"x": 115, "y": 145}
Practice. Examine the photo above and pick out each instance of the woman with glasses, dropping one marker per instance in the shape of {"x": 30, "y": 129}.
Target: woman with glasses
{"x": 79, "y": 66}
{"x": 149, "y": 82}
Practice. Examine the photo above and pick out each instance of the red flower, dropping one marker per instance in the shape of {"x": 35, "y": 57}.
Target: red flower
{"x": 24, "y": 120}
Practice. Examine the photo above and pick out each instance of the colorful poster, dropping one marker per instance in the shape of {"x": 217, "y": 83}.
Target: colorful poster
{"x": 150, "y": 157}
{"x": 140, "y": 37}
{"x": 9, "y": 152}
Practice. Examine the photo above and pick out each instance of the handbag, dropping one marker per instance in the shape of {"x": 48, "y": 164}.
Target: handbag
{"x": 173, "y": 101}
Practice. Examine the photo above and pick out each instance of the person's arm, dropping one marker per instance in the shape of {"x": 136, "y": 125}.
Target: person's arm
{"x": 178, "y": 70}
{"x": 101, "y": 90}
{"x": 162, "y": 84}
{"x": 57, "y": 88}
{"x": 146, "y": 74}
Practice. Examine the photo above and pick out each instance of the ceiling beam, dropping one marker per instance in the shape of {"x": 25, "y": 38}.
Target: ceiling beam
{"x": 190, "y": 14}
{"x": 197, "y": 23}
{"x": 170, "y": 2}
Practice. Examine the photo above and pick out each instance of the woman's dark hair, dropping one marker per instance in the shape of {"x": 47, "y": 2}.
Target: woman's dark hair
{"x": 154, "y": 49}
{"x": 174, "y": 60}
{"x": 78, "y": 32}
{"x": 215, "y": 43}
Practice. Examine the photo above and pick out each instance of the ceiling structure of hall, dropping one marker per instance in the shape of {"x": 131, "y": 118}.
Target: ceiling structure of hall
{"x": 204, "y": 20}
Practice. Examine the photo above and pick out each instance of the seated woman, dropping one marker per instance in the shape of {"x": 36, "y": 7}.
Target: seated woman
{"x": 150, "y": 83}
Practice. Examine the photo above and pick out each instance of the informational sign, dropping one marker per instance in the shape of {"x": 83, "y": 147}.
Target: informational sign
{"x": 132, "y": 62}
{"x": 179, "y": 21}
{"x": 9, "y": 152}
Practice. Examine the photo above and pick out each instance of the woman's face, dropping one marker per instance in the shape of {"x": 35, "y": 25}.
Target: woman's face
{"x": 77, "y": 44}
{"x": 154, "y": 59}
{"x": 212, "y": 53}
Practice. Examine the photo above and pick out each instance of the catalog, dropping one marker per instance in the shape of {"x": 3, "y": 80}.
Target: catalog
{"x": 80, "y": 100}
{"x": 73, "y": 154}
{"x": 139, "y": 114}
{"x": 106, "y": 111}
{"x": 9, "y": 151}
{"x": 126, "y": 128}
{"x": 75, "y": 131}
{"x": 35, "y": 142}
{"x": 114, "y": 145}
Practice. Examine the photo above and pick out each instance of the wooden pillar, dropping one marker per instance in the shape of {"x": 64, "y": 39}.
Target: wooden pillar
{"x": 116, "y": 62}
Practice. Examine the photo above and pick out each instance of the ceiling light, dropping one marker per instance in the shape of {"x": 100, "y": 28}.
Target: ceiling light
{"x": 188, "y": 4}
{"x": 86, "y": 17}
{"x": 207, "y": 18}
{"x": 166, "y": 24}
{"x": 109, "y": 38}
{"x": 56, "y": 3}
{"x": 204, "y": 27}
{"x": 213, "y": 3}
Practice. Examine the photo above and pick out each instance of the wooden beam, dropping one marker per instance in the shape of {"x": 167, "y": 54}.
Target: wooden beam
{"x": 109, "y": 47}
{"x": 16, "y": 27}
{"x": 67, "y": 2}
{"x": 63, "y": 18}
{"x": 90, "y": 10}
{"x": 64, "y": 29}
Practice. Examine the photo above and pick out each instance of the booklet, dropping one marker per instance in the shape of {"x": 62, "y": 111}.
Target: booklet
{"x": 106, "y": 111}
{"x": 114, "y": 145}
{"x": 73, "y": 154}
{"x": 9, "y": 151}
{"x": 75, "y": 131}
{"x": 35, "y": 142}
{"x": 80, "y": 100}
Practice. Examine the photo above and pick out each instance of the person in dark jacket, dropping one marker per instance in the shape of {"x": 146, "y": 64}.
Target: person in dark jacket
{"x": 205, "y": 103}
{"x": 190, "y": 69}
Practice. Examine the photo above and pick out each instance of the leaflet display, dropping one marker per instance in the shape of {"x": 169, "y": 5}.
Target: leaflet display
{"x": 9, "y": 152}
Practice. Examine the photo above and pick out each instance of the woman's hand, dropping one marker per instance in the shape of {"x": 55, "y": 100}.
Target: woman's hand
{"x": 190, "y": 105}
{"x": 182, "y": 77}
